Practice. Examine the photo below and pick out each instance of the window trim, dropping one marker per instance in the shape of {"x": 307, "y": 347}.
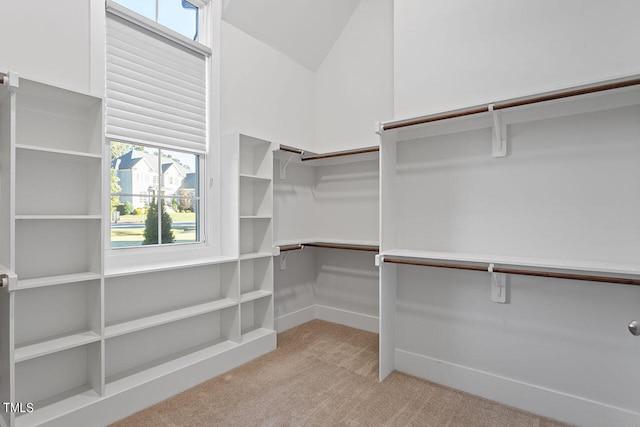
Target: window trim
{"x": 159, "y": 29}
{"x": 208, "y": 250}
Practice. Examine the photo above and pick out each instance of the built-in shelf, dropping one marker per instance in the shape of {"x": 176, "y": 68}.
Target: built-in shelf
{"x": 63, "y": 403}
{"x": 57, "y": 280}
{"x": 255, "y": 255}
{"x": 536, "y": 263}
{"x": 255, "y": 177}
{"x": 134, "y": 325}
{"x": 366, "y": 246}
{"x": 332, "y": 158}
{"x": 164, "y": 266}
{"x": 58, "y": 217}
{"x": 60, "y": 152}
{"x": 253, "y": 334}
{"x": 159, "y": 368}
{"x": 254, "y": 295}
{"x": 44, "y": 347}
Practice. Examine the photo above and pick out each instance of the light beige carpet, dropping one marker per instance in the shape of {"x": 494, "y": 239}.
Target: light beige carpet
{"x": 323, "y": 374}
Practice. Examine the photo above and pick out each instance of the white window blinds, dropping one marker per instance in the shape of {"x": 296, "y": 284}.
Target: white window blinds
{"x": 155, "y": 89}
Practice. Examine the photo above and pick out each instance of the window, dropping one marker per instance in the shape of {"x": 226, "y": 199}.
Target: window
{"x": 153, "y": 214}
{"x": 178, "y": 15}
{"x": 156, "y": 127}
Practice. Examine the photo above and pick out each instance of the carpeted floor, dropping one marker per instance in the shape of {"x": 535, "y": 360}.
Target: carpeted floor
{"x": 323, "y": 374}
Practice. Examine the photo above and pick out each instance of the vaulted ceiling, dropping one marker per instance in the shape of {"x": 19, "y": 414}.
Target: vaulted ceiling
{"x": 304, "y": 30}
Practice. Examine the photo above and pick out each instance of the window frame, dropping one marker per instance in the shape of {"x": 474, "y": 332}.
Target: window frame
{"x": 199, "y": 46}
{"x": 159, "y": 257}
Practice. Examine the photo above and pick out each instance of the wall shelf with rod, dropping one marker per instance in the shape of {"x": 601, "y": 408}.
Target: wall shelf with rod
{"x": 534, "y": 196}
{"x": 326, "y": 203}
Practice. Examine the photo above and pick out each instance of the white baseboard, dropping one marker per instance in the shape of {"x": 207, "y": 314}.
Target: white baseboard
{"x": 330, "y": 314}
{"x": 296, "y": 318}
{"x": 347, "y": 318}
{"x": 528, "y": 397}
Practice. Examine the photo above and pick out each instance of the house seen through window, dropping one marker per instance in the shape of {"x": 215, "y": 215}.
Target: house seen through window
{"x": 154, "y": 196}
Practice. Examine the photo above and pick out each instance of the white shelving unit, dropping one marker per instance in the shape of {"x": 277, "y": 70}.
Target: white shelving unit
{"x": 562, "y": 201}
{"x": 75, "y": 335}
{"x": 255, "y": 160}
{"x": 326, "y": 224}
{"x": 51, "y": 177}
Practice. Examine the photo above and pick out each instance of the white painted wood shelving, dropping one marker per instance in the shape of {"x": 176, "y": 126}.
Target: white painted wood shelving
{"x": 256, "y": 236}
{"x": 326, "y": 229}
{"x": 544, "y": 188}
{"x": 51, "y": 143}
{"x": 77, "y": 341}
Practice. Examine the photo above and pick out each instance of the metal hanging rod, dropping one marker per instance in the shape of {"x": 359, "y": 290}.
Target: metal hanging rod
{"x": 517, "y": 102}
{"x": 291, "y": 248}
{"x": 341, "y": 153}
{"x": 494, "y": 269}
{"x": 291, "y": 149}
{"x": 312, "y": 156}
{"x": 366, "y": 248}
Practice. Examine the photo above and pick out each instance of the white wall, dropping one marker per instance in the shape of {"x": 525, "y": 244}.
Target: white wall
{"x": 294, "y": 299}
{"x": 294, "y": 206}
{"x": 346, "y": 288}
{"x": 47, "y": 41}
{"x": 354, "y": 85}
{"x": 457, "y": 54}
{"x": 347, "y": 202}
{"x": 264, "y": 93}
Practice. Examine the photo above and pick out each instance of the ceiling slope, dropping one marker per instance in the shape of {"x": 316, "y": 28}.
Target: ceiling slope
{"x": 304, "y": 30}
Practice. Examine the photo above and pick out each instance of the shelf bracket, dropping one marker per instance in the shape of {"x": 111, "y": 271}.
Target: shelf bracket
{"x": 283, "y": 258}
{"x": 8, "y": 282}
{"x": 11, "y": 80}
{"x": 499, "y": 137}
{"x": 498, "y": 286}
{"x": 283, "y": 168}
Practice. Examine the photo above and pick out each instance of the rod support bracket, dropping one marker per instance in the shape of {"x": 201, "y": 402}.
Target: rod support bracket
{"x": 499, "y": 137}
{"x": 498, "y": 286}
{"x": 283, "y": 167}
{"x": 284, "y": 256}
{"x": 11, "y": 80}
{"x": 8, "y": 282}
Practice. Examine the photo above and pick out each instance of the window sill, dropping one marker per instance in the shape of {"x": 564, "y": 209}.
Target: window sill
{"x": 147, "y": 260}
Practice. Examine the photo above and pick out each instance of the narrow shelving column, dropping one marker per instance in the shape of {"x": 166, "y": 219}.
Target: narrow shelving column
{"x": 52, "y": 180}
{"x": 255, "y": 172}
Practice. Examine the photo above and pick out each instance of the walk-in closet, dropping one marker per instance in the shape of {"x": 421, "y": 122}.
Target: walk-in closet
{"x": 319, "y": 212}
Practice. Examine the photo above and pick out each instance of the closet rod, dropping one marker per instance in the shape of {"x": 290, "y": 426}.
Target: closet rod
{"x": 344, "y": 246}
{"x": 501, "y": 105}
{"x": 290, "y": 248}
{"x": 341, "y": 153}
{"x": 291, "y": 149}
{"x": 555, "y": 275}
